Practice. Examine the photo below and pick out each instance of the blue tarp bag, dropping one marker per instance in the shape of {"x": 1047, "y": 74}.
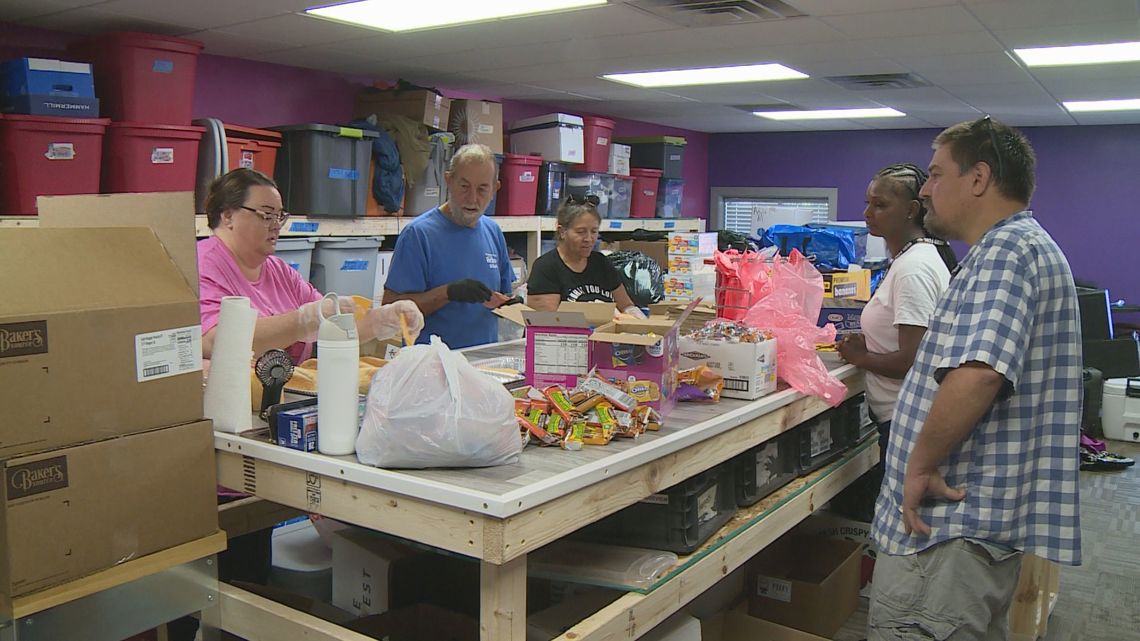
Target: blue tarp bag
{"x": 830, "y": 247}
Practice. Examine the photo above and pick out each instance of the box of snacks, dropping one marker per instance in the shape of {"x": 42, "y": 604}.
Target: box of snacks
{"x": 744, "y": 356}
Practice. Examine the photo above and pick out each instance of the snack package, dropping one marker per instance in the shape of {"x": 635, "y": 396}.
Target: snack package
{"x": 700, "y": 385}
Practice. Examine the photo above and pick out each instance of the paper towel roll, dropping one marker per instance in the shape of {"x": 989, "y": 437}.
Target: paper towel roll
{"x": 228, "y": 399}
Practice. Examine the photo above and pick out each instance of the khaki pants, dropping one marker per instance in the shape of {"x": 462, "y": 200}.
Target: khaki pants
{"x": 959, "y": 590}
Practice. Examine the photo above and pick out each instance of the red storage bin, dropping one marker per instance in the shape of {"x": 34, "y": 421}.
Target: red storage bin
{"x": 518, "y": 192}
{"x": 252, "y": 148}
{"x": 597, "y": 136}
{"x": 143, "y": 77}
{"x": 47, "y": 156}
{"x": 141, "y": 158}
{"x": 645, "y": 185}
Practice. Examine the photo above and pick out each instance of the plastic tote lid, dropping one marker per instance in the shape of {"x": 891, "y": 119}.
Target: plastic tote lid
{"x": 1129, "y": 387}
{"x": 547, "y": 120}
{"x": 651, "y": 140}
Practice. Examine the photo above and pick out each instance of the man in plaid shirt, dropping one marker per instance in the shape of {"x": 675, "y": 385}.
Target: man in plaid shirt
{"x": 982, "y": 461}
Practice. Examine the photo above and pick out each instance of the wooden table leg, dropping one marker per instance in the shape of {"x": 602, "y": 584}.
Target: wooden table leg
{"x": 502, "y": 601}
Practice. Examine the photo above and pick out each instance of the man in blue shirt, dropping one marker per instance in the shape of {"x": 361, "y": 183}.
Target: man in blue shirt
{"x": 452, "y": 261}
{"x": 982, "y": 460}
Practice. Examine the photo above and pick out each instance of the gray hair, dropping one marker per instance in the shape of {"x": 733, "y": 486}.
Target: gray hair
{"x": 472, "y": 153}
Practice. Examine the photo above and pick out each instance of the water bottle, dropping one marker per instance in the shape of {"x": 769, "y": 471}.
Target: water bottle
{"x": 338, "y": 355}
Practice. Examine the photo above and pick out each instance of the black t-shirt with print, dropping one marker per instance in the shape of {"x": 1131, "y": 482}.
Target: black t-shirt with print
{"x": 596, "y": 283}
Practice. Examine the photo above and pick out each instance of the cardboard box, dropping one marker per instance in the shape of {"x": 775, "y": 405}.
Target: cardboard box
{"x": 61, "y": 106}
{"x": 686, "y": 287}
{"x": 619, "y": 159}
{"x": 477, "y": 121}
{"x": 642, "y": 355}
{"x": 557, "y": 343}
{"x": 808, "y": 583}
{"x": 692, "y": 243}
{"x": 749, "y": 369}
{"x": 833, "y": 526}
{"x": 297, "y": 428}
{"x": 73, "y": 511}
{"x": 362, "y": 570}
{"x": 696, "y": 318}
{"x": 843, "y": 313}
{"x": 100, "y": 336}
{"x": 737, "y": 625}
{"x": 690, "y": 264}
{"x": 854, "y": 285}
{"x": 420, "y": 105}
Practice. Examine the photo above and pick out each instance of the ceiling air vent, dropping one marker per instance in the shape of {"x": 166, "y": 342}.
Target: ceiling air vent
{"x": 879, "y": 81}
{"x": 713, "y": 13}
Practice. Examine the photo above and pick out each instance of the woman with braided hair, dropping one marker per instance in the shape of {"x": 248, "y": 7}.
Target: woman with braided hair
{"x": 896, "y": 318}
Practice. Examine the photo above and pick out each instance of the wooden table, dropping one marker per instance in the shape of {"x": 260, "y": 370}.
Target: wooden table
{"x": 498, "y": 515}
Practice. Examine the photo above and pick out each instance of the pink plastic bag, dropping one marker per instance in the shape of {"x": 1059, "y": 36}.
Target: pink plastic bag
{"x": 789, "y": 309}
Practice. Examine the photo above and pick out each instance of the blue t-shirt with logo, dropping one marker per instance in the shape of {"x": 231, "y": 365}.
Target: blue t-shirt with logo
{"x": 433, "y": 251}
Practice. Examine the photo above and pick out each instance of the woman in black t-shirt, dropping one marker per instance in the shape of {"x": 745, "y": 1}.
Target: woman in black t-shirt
{"x": 574, "y": 271}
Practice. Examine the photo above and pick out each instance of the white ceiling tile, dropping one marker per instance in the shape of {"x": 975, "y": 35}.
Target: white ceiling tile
{"x": 845, "y": 7}
{"x": 775, "y": 32}
{"x": 1069, "y": 34}
{"x": 938, "y": 44}
{"x": 88, "y": 20}
{"x": 207, "y": 14}
{"x": 980, "y": 63}
{"x": 317, "y": 58}
{"x": 1092, "y": 89}
{"x": 911, "y": 22}
{"x": 296, "y": 30}
{"x": 1020, "y": 14}
{"x": 1108, "y": 118}
{"x": 851, "y": 67}
{"x": 17, "y": 10}
{"x": 220, "y": 43}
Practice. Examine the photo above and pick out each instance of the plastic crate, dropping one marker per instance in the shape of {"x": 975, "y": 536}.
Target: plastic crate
{"x": 297, "y": 253}
{"x": 143, "y": 77}
{"x": 666, "y": 153}
{"x": 551, "y": 188}
{"x": 597, "y": 134}
{"x": 679, "y": 519}
{"x": 141, "y": 157}
{"x": 323, "y": 170}
{"x": 44, "y": 156}
{"x": 346, "y": 265}
{"x": 226, "y": 147}
{"x": 518, "y": 194}
{"x": 766, "y": 468}
{"x": 821, "y": 440}
{"x": 670, "y": 196}
{"x": 615, "y": 194}
{"x": 856, "y": 418}
{"x": 646, "y": 182}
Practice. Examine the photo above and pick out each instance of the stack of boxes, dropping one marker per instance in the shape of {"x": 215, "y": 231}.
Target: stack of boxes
{"x": 103, "y": 448}
{"x": 51, "y": 139}
{"x": 691, "y": 274}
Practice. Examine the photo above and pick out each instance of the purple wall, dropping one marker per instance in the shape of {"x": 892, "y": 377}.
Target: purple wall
{"x": 1082, "y": 196}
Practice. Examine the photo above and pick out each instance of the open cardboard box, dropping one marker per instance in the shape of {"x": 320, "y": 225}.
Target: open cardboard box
{"x": 557, "y": 343}
{"x": 737, "y": 625}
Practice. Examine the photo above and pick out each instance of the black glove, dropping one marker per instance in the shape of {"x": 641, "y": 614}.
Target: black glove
{"x": 468, "y": 290}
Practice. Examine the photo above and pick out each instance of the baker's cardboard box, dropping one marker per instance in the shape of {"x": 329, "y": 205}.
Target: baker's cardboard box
{"x": 643, "y": 356}
{"x": 692, "y": 243}
{"x": 477, "y": 121}
{"x": 420, "y": 105}
{"x": 690, "y": 264}
{"x": 686, "y": 287}
{"x": 100, "y": 336}
{"x": 696, "y": 318}
{"x": 843, "y": 313}
{"x": 833, "y": 526}
{"x": 74, "y": 511}
{"x": 749, "y": 369}
{"x": 854, "y": 285}
{"x": 557, "y": 343}
{"x": 805, "y": 582}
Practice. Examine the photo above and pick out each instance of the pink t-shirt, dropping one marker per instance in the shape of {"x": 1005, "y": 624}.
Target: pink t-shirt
{"x": 279, "y": 290}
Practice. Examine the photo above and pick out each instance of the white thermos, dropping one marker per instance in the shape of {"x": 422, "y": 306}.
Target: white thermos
{"x": 338, "y": 355}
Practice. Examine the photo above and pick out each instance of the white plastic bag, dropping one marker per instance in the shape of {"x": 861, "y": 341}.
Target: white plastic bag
{"x": 430, "y": 408}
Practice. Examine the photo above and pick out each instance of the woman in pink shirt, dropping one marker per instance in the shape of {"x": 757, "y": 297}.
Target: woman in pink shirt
{"x": 245, "y": 214}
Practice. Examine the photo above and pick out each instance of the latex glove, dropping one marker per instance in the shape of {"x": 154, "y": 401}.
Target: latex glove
{"x": 309, "y": 314}
{"x": 385, "y": 320}
{"x": 468, "y": 290}
{"x": 634, "y": 311}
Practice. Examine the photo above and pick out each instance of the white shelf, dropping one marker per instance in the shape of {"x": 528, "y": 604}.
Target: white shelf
{"x": 298, "y": 226}
{"x": 653, "y": 224}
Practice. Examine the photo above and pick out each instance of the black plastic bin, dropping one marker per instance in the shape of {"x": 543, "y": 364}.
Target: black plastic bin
{"x": 857, "y": 419}
{"x": 822, "y": 440}
{"x": 666, "y": 153}
{"x": 766, "y": 468}
{"x": 551, "y": 188}
{"x": 679, "y": 519}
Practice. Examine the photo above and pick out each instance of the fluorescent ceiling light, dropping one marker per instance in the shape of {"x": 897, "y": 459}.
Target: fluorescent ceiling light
{"x": 706, "y": 76}
{"x": 1103, "y": 105}
{"x": 831, "y": 114}
{"x": 406, "y": 16}
{"x": 1080, "y": 54}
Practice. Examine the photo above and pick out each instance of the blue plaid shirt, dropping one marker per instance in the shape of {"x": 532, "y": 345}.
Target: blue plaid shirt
{"x": 1012, "y": 306}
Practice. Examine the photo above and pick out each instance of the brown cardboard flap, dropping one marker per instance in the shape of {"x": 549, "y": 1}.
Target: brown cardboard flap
{"x": 169, "y": 214}
{"x": 637, "y": 332}
{"x": 555, "y": 319}
{"x": 595, "y": 314}
{"x": 739, "y": 626}
{"x": 513, "y": 313}
{"x": 598, "y": 313}
{"x": 63, "y": 270}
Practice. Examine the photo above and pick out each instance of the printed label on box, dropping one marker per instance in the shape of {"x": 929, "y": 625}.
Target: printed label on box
{"x": 162, "y": 156}
{"x": 431, "y": 192}
{"x": 359, "y": 265}
{"x": 706, "y": 505}
{"x": 391, "y": 351}
{"x": 484, "y": 129}
{"x": 60, "y": 151}
{"x": 168, "y": 352}
{"x": 29, "y": 479}
{"x": 246, "y": 159}
{"x": 435, "y": 122}
{"x": 561, "y": 354}
{"x": 23, "y": 339}
{"x": 776, "y": 589}
{"x": 337, "y": 173}
{"x": 820, "y": 438}
{"x": 162, "y": 66}
{"x": 656, "y": 499}
{"x": 527, "y": 177}
{"x": 603, "y": 141}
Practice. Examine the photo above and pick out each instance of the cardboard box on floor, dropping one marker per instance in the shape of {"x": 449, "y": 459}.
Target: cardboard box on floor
{"x": 805, "y": 582}
{"x": 833, "y": 526}
{"x": 100, "y": 336}
{"x": 70, "y": 512}
{"x": 737, "y": 625}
